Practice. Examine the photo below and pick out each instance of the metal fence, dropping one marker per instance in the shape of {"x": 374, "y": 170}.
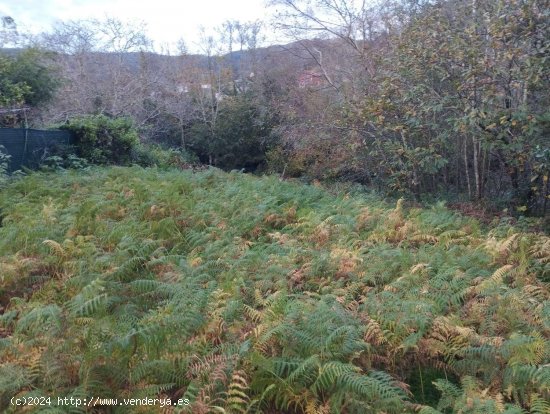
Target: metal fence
{"x": 30, "y": 147}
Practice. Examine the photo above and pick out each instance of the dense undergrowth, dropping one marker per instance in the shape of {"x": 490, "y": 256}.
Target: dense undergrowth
{"x": 245, "y": 294}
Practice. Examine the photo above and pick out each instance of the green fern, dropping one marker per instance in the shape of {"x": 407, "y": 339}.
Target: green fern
{"x": 132, "y": 282}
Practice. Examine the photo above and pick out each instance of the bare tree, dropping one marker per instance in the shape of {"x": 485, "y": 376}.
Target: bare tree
{"x": 100, "y": 61}
{"x": 8, "y": 31}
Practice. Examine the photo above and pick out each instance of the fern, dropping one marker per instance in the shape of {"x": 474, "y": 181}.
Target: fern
{"x": 248, "y": 295}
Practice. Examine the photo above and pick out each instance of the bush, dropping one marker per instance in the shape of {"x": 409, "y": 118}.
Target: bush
{"x": 148, "y": 155}
{"x": 61, "y": 162}
{"x": 241, "y": 135}
{"x": 103, "y": 140}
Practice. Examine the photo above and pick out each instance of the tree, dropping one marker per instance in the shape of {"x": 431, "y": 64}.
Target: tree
{"x": 468, "y": 85}
{"x": 27, "y": 81}
{"x": 430, "y": 96}
{"x": 8, "y": 31}
{"x": 171, "y": 104}
{"x": 242, "y": 134}
{"x": 99, "y": 61}
{"x": 219, "y": 89}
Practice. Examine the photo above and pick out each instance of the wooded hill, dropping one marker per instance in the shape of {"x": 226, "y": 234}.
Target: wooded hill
{"x": 421, "y": 98}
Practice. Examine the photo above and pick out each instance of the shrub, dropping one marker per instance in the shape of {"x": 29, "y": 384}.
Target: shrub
{"x": 238, "y": 139}
{"x": 60, "y": 162}
{"x": 4, "y": 163}
{"x": 104, "y": 140}
{"x": 148, "y": 155}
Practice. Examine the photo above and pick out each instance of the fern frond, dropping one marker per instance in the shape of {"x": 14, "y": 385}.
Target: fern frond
{"x": 55, "y": 247}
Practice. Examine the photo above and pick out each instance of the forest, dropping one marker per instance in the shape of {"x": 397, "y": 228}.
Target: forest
{"x": 351, "y": 220}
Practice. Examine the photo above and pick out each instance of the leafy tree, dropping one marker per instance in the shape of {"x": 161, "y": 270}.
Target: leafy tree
{"x": 426, "y": 97}
{"x": 240, "y": 137}
{"x": 465, "y": 82}
{"x": 26, "y": 82}
{"x": 12, "y": 93}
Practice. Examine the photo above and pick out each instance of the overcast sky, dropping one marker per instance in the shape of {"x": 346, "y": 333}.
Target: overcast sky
{"x": 166, "y": 20}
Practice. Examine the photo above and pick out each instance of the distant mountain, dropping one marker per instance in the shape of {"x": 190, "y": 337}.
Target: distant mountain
{"x": 292, "y": 52}
{"x": 12, "y": 52}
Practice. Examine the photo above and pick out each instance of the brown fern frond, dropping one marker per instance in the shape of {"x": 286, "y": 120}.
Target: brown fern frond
{"x": 541, "y": 250}
{"x": 374, "y": 333}
{"x": 253, "y": 314}
{"x": 495, "y": 279}
{"x": 56, "y": 248}
{"x": 509, "y": 244}
{"x": 207, "y": 364}
{"x": 419, "y": 268}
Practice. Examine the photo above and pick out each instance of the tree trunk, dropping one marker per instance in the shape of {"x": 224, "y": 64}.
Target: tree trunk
{"x": 477, "y": 176}
{"x": 182, "y": 131}
{"x": 466, "y": 168}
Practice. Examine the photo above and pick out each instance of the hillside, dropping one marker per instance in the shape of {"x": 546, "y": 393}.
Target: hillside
{"x": 234, "y": 293}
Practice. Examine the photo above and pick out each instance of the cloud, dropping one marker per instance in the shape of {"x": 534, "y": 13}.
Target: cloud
{"x": 166, "y": 20}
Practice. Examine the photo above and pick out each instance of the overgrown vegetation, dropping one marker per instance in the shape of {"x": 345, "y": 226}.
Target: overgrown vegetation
{"x": 238, "y": 139}
{"x": 27, "y": 81}
{"x": 247, "y": 294}
{"x": 104, "y": 140}
{"x": 418, "y": 97}
{"x": 425, "y": 97}
{"x": 148, "y": 155}
{"x": 240, "y": 294}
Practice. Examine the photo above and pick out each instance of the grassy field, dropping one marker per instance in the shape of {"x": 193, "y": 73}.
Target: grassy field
{"x": 243, "y": 294}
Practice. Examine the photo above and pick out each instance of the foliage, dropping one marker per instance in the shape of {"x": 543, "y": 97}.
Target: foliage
{"x": 423, "y": 97}
{"x": 104, "y": 140}
{"x": 26, "y": 80}
{"x": 481, "y": 94}
{"x": 12, "y": 93}
{"x": 4, "y": 163}
{"x": 240, "y": 136}
{"x": 148, "y": 155}
{"x": 30, "y": 69}
{"x": 58, "y": 162}
{"x": 245, "y": 294}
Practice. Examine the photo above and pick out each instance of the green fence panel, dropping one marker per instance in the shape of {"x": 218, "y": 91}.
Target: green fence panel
{"x": 30, "y": 147}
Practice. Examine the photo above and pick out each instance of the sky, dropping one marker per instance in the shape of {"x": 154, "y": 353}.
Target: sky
{"x": 166, "y": 21}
